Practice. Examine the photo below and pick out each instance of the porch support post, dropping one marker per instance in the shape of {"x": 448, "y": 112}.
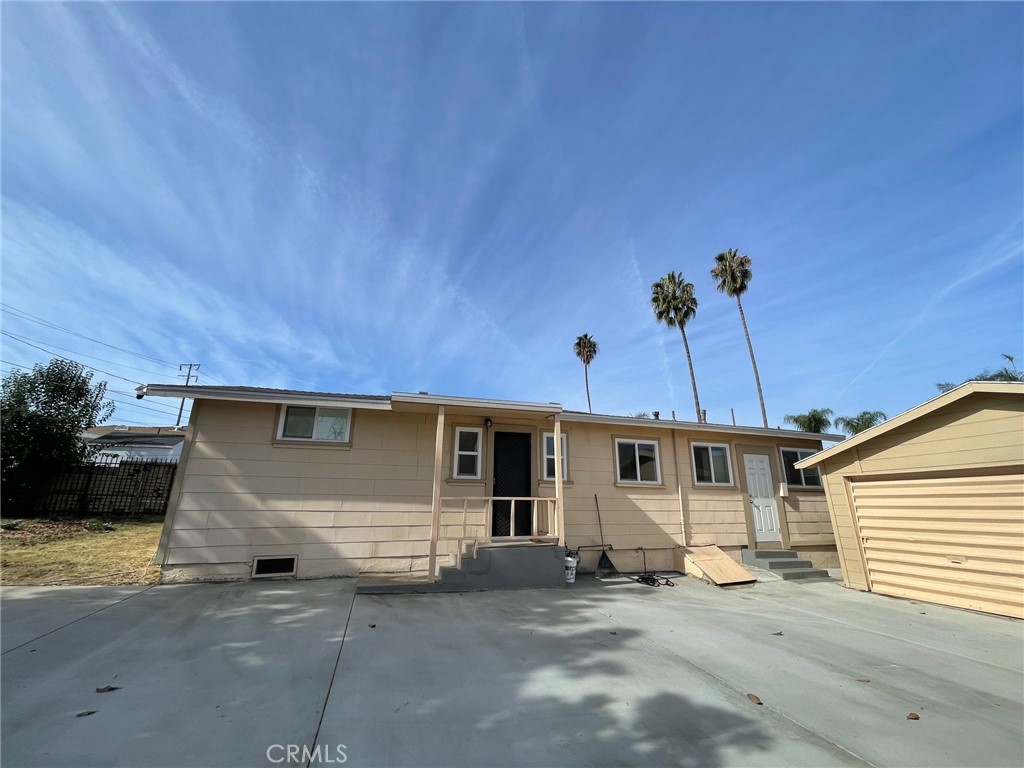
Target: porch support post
{"x": 435, "y": 504}
{"x": 559, "y": 502}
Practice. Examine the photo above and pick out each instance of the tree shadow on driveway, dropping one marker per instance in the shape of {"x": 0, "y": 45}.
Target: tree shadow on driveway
{"x": 533, "y": 678}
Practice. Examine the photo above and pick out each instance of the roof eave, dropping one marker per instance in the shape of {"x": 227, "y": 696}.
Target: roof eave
{"x": 909, "y": 415}
{"x": 291, "y": 398}
{"x": 472, "y": 402}
{"x": 692, "y": 426}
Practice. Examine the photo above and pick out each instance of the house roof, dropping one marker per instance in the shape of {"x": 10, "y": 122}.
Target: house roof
{"x": 407, "y": 400}
{"x": 122, "y": 430}
{"x": 968, "y": 389}
{"x": 113, "y": 439}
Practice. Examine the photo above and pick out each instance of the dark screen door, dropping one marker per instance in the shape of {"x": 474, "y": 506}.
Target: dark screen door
{"x": 512, "y": 477}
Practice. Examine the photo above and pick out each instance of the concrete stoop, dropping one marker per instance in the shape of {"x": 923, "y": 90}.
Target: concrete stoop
{"x": 783, "y": 562}
{"x": 530, "y": 566}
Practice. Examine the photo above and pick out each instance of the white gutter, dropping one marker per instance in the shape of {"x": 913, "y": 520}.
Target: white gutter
{"x": 692, "y": 426}
{"x": 250, "y": 396}
{"x": 473, "y": 402}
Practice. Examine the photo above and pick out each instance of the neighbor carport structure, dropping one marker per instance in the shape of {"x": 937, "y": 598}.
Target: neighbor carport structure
{"x": 930, "y": 504}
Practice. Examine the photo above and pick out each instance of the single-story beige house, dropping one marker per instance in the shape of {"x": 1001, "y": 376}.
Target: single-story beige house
{"x": 930, "y": 505}
{"x": 282, "y": 482}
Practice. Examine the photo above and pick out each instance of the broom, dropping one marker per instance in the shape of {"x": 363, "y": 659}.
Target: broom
{"x": 605, "y": 568}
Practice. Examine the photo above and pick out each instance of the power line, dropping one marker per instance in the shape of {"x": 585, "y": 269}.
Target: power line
{"x": 214, "y": 378}
{"x": 35, "y": 319}
{"x": 110, "y": 392}
{"x": 22, "y": 314}
{"x": 127, "y": 421}
{"x": 187, "y": 377}
{"x": 91, "y": 357}
{"x": 119, "y": 403}
{"x": 70, "y": 360}
{"x": 153, "y": 403}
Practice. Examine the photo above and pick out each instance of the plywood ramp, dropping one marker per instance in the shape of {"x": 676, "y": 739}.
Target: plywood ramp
{"x": 713, "y": 565}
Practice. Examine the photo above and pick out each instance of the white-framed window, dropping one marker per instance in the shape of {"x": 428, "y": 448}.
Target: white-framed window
{"x": 466, "y": 460}
{"x": 637, "y": 461}
{"x": 549, "y": 456}
{"x": 316, "y": 423}
{"x": 801, "y": 478}
{"x": 711, "y": 464}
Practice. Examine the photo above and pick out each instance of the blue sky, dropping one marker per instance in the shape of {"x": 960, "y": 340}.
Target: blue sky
{"x": 369, "y": 197}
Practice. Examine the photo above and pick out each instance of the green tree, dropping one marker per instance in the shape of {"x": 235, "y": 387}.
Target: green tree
{"x": 864, "y": 420}
{"x": 1006, "y": 373}
{"x": 586, "y": 350}
{"x": 815, "y": 420}
{"x": 732, "y": 275}
{"x": 43, "y": 414}
{"x": 674, "y": 304}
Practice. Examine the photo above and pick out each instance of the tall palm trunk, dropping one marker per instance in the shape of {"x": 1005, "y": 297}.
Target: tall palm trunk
{"x": 753, "y": 362}
{"x": 586, "y": 380}
{"x": 693, "y": 379}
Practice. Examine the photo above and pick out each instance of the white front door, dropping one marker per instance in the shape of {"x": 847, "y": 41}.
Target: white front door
{"x": 762, "y": 498}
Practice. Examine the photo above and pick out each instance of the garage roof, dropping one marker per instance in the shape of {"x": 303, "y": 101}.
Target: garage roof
{"x": 946, "y": 398}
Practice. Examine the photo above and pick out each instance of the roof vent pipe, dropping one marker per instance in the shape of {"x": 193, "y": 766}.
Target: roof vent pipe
{"x": 656, "y": 414}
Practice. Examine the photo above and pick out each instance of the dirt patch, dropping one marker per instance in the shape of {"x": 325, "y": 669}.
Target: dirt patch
{"x": 90, "y": 552}
{"x": 28, "y": 532}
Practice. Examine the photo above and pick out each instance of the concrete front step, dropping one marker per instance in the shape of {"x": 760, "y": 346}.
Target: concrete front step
{"x": 779, "y": 564}
{"x": 805, "y": 573}
{"x": 767, "y": 553}
{"x": 526, "y": 566}
{"x": 783, "y": 562}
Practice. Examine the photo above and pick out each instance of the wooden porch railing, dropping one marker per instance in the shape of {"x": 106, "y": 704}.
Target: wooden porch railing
{"x": 471, "y": 519}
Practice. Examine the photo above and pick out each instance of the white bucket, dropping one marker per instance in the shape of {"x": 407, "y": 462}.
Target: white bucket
{"x": 570, "y": 570}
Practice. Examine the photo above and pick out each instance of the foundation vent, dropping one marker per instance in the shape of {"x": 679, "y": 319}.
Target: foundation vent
{"x": 266, "y": 567}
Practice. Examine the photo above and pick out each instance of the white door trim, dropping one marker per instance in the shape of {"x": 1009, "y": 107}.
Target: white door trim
{"x": 761, "y": 497}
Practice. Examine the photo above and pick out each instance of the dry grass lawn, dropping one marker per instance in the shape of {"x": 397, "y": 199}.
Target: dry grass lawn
{"x": 51, "y": 552}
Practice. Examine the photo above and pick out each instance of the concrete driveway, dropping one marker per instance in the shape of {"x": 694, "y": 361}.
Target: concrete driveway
{"x": 610, "y": 673}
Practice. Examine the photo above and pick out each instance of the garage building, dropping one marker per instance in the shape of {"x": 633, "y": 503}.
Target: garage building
{"x": 930, "y": 504}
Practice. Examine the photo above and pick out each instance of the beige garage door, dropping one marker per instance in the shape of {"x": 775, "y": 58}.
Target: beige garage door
{"x": 957, "y": 541}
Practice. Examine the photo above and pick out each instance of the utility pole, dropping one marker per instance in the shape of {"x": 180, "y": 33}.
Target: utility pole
{"x": 188, "y": 380}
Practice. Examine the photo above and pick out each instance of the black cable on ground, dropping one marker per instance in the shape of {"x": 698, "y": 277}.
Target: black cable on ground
{"x": 650, "y": 578}
{"x": 654, "y": 580}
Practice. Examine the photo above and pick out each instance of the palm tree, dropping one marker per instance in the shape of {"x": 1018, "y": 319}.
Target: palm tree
{"x": 1006, "y": 373}
{"x": 674, "y": 304}
{"x": 863, "y": 420}
{"x": 732, "y": 276}
{"x": 815, "y": 420}
{"x": 586, "y": 350}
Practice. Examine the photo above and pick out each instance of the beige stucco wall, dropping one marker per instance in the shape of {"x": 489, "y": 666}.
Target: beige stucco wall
{"x": 342, "y": 511}
{"x": 975, "y": 434}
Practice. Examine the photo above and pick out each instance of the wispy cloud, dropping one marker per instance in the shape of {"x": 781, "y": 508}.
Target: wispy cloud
{"x": 991, "y": 256}
{"x": 444, "y": 196}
